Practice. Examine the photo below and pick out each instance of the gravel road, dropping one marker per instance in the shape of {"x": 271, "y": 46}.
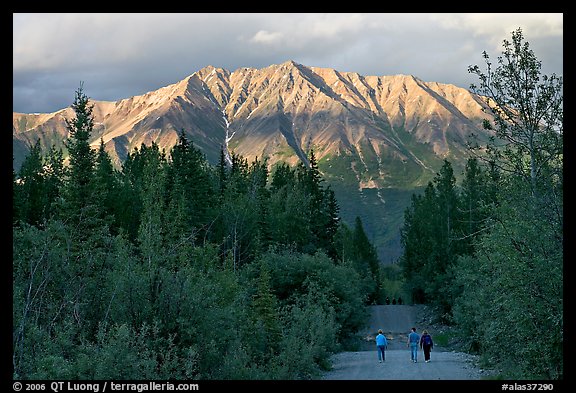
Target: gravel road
{"x": 396, "y": 321}
{"x": 364, "y": 365}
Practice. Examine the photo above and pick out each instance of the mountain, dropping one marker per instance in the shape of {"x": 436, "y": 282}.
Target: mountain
{"x": 378, "y": 139}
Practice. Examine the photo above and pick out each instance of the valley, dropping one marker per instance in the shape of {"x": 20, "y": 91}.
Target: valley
{"x": 378, "y": 139}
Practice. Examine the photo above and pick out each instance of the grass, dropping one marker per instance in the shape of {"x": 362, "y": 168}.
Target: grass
{"x": 442, "y": 339}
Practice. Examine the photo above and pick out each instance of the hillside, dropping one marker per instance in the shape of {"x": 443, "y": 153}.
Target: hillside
{"x": 378, "y": 139}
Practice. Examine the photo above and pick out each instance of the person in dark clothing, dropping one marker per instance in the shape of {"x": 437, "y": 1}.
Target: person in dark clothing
{"x": 399, "y": 300}
{"x": 393, "y": 300}
{"x": 426, "y": 344}
{"x": 387, "y": 300}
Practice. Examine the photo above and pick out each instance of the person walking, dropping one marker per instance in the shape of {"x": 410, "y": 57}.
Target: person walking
{"x": 381, "y": 344}
{"x": 426, "y": 344}
{"x": 412, "y": 343}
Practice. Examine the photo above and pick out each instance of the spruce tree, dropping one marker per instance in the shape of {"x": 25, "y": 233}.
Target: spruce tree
{"x": 29, "y": 188}
{"x": 55, "y": 175}
{"x": 419, "y": 237}
{"x": 331, "y": 222}
{"x": 222, "y": 170}
{"x": 189, "y": 179}
{"x": 265, "y": 315}
{"x": 105, "y": 185}
{"x": 366, "y": 259}
{"x": 81, "y": 156}
{"x": 448, "y": 203}
{"x": 282, "y": 176}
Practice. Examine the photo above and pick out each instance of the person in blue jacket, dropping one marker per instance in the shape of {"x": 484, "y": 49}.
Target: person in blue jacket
{"x": 381, "y": 344}
{"x": 413, "y": 341}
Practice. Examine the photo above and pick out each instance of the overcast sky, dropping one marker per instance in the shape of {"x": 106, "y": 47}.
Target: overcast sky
{"x": 118, "y": 56}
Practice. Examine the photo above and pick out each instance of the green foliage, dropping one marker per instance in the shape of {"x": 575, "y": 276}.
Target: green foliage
{"x": 37, "y": 186}
{"x": 189, "y": 183}
{"x": 489, "y": 254}
{"x": 265, "y": 313}
{"x": 517, "y": 272}
{"x": 355, "y": 250}
{"x": 439, "y": 227}
{"x": 516, "y": 275}
{"x": 392, "y": 283}
{"x": 81, "y": 156}
{"x": 173, "y": 269}
{"x": 310, "y": 335}
{"x": 292, "y": 272}
{"x": 122, "y": 352}
{"x": 29, "y": 198}
{"x": 106, "y": 186}
{"x": 528, "y": 112}
{"x": 289, "y": 220}
{"x": 132, "y": 183}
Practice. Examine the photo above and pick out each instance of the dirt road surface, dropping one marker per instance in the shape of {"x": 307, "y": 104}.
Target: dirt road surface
{"x": 396, "y": 322}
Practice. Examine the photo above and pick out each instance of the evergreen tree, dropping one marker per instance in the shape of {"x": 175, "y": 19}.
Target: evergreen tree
{"x": 344, "y": 245}
{"x": 331, "y": 218}
{"x": 222, "y": 170}
{"x": 30, "y": 192}
{"x": 367, "y": 263}
{"x": 283, "y": 175}
{"x": 475, "y": 204}
{"x": 105, "y": 185}
{"x": 289, "y": 217}
{"x": 152, "y": 231}
{"x": 449, "y": 245}
{"x": 265, "y": 314}
{"x": 16, "y": 201}
{"x": 130, "y": 184}
{"x": 245, "y": 211}
{"x": 189, "y": 180}
{"x": 323, "y": 209}
{"x": 153, "y": 183}
{"x": 420, "y": 243}
{"x": 55, "y": 175}
{"x": 81, "y": 156}
{"x": 260, "y": 197}
{"x": 310, "y": 176}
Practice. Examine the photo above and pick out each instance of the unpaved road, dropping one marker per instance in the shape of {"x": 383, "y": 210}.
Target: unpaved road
{"x": 396, "y": 321}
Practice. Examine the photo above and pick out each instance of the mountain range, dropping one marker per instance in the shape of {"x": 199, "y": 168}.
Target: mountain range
{"x": 377, "y": 139}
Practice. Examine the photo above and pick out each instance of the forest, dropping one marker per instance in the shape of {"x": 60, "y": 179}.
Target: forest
{"x": 171, "y": 268}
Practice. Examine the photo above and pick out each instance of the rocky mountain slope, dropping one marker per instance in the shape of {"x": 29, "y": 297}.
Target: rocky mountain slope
{"x": 378, "y": 139}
